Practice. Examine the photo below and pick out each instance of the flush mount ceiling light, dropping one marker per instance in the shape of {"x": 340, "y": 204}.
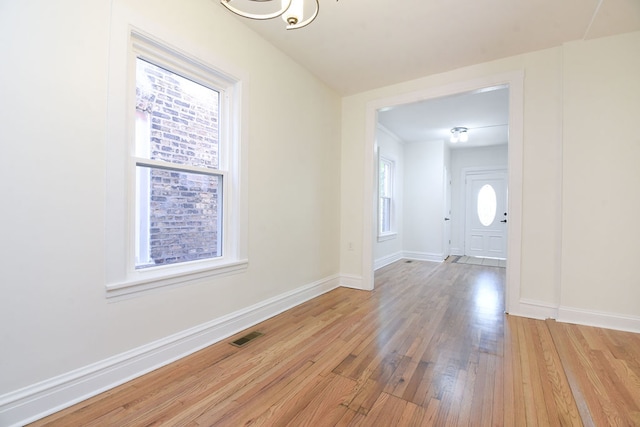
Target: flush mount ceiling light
{"x": 459, "y": 133}
{"x": 292, "y": 11}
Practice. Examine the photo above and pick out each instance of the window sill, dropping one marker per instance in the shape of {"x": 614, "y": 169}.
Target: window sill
{"x": 137, "y": 287}
{"x": 387, "y": 236}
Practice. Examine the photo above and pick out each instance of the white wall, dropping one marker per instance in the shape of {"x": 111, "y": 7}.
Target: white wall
{"x": 489, "y": 157}
{"x": 54, "y": 317}
{"x": 424, "y": 200}
{"x": 577, "y": 245}
{"x": 601, "y": 178}
{"x": 419, "y": 202}
{"x": 392, "y": 148}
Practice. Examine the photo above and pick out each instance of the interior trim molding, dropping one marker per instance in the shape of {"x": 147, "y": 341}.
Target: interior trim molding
{"x": 38, "y": 400}
{"x": 541, "y": 310}
{"x": 351, "y": 281}
{"x": 599, "y": 319}
{"x": 386, "y": 260}
{"x": 456, "y": 251}
{"x": 423, "y": 256}
{"x": 535, "y": 309}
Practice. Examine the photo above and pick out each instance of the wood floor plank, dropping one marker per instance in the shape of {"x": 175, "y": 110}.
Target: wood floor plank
{"x": 519, "y": 367}
{"x": 626, "y": 377}
{"x": 430, "y": 346}
{"x": 599, "y": 392}
{"x": 479, "y": 402}
{"x": 431, "y": 412}
{"x": 558, "y": 392}
{"x": 327, "y": 407}
{"x": 387, "y": 411}
{"x": 539, "y": 394}
{"x": 412, "y": 416}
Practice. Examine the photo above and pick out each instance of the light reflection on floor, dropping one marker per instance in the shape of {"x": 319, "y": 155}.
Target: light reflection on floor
{"x": 487, "y": 295}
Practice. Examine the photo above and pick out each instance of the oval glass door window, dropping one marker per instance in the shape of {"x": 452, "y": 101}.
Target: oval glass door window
{"x": 487, "y": 205}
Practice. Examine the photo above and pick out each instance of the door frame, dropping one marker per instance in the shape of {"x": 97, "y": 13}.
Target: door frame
{"x": 446, "y": 248}
{"x": 515, "y": 82}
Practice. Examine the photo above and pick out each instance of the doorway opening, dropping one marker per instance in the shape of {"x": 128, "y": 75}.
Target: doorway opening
{"x": 505, "y": 244}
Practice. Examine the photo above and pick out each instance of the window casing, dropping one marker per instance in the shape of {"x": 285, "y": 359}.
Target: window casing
{"x": 180, "y": 157}
{"x": 385, "y": 198}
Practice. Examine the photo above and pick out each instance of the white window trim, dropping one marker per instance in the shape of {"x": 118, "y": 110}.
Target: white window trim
{"x": 392, "y": 233}
{"x": 122, "y": 279}
{"x": 383, "y": 237}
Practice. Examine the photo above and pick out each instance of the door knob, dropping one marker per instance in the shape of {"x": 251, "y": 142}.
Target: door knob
{"x": 504, "y": 220}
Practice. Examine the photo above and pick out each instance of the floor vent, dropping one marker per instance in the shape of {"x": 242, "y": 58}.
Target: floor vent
{"x": 241, "y": 342}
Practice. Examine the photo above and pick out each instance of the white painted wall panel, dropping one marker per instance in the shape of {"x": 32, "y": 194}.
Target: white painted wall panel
{"x": 54, "y": 316}
{"x": 424, "y": 198}
{"x": 601, "y": 175}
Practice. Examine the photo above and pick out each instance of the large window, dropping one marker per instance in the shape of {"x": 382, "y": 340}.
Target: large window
{"x": 174, "y": 210}
{"x": 179, "y": 182}
{"x": 385, "y": 191}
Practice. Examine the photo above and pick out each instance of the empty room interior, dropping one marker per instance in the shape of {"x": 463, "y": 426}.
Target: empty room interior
{"x": 320, "y": 213}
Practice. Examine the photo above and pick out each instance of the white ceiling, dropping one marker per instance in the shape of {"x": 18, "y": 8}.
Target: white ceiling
{"x": 485, "y": 113}
{"x": 358, "y": 45}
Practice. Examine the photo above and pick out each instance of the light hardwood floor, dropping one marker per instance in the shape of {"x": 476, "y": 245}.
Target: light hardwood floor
{"x": 430, "y": 346}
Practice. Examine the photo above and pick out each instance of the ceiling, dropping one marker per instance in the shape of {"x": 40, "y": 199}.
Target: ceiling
{"x": 358, "y": 45}
{"x": 484, "y": 112}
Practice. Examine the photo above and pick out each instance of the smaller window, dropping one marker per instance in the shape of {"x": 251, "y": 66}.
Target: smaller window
{"x": 487, "y": 205}
{"x": 386, "y": 196}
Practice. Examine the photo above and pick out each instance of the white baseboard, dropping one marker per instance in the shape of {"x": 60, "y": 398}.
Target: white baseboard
{"x": 600, "y": 319}
{"x": 534, "y": 309}
{"x": 38, "y": 400}
{"x": 351, "y": 281}
{"x": 386, "y": 260}
{"x": 541, "y": 310}
{"x": 417, "y": 256}
{"x": 423, "y": 256}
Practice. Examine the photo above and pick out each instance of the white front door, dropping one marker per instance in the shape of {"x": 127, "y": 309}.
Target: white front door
{"x": 486, "y": 215}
